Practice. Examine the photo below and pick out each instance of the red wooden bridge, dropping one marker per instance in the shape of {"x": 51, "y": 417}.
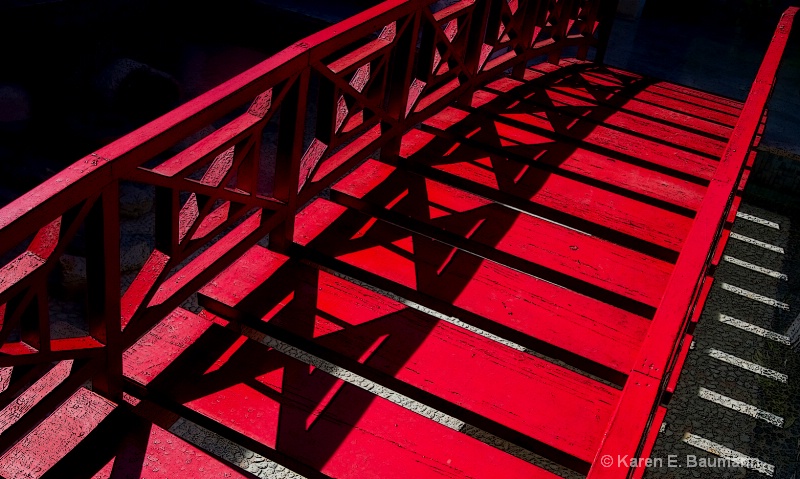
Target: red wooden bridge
{"x": 459, "y": 207}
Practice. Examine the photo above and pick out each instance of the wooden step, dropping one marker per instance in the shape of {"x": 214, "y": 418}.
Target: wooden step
{"x": 525, "y": 309}
{"x": 591, "y": 209}
{"x": 505, "y": 391}
{"x": 291, "y": 411}
{"x": 525, "y": 239}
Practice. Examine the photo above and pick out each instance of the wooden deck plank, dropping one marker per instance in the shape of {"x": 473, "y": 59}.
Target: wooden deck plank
{"x": 536, "y": 313}
{"x": 684, "y": 98}
{"x": 655, "y": 92}
{"x": 544, "y": 193}
{"x": 54, "y": 437}
{"x": 526, "y": 396}
{"x": 568, "y": 252}
{"x": 571, "y": 104}
{"x": 577, "y": 88}
{"x": 575, "y": 131}
{"x": 127, "y": 445}
{"x": 621, "y": 96}
{"x": 303, "y": 413}
{"x": 633, "y": 178}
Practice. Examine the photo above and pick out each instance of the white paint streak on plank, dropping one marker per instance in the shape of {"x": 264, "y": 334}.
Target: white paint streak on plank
{"x": 740, "y": 406}
{"x": 756, "y": 268}
{"x": 755, "y": 297}
{"x": 735, "y": 457}
{"x": 757, "y": 220}
{"x": 752, "y": 328}
{"x": 747, "y": 365}
{"x": 755, "y": 242}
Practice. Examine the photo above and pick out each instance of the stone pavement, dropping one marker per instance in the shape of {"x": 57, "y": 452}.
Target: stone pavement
{"x": 739, "y": 390}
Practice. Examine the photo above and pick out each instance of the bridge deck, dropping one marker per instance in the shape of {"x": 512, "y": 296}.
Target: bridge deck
{"x": 548, "y": 213}
{"x": 467, "y": 275}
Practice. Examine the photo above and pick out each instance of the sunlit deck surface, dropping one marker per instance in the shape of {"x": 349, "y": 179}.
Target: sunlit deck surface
{"x": 425, "y": 242}
{"x": 504, "y": 270}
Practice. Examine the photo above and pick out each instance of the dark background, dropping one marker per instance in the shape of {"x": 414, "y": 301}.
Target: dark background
{"x": 76, "y": 74}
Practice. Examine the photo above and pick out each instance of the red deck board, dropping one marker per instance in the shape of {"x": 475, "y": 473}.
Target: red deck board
{"x": 538, "y": 120}
{"x": 650, "y": 440}
{"x": 679, "y": 362}
{"x": 684, "y": 100}
{"x": 655, "y": 92}
{"x": 570, "y": 104}
{"x": 307, "y": 415}
{"x": 543, "y": 152}
{"x": 601, "y": 263}
{"x": 595, "y": 205}
{"x": 53, "y": 438}
{"x": 157, "y": 454}
{"x": 538, "y": 309}
{"x": 536, "y": 398}
{"x": 576, "y": 87}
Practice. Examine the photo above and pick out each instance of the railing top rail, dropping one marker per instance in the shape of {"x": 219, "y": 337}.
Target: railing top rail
{"x": 650, "y": 371}
{"x": 21, "y": 217}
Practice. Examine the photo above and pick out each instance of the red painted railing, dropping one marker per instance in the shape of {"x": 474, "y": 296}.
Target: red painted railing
{"x": 654, "y": 366}
{"x": 282, "y": 132}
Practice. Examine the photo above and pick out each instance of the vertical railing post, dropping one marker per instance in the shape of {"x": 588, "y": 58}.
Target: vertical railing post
{"x": 103, "y": 282}
{"x": 291, "y": 131}
{"x": 398, "y": 85}
{"x": 530, "y": 22}
{"x": 476, "y": 37}
{"x": 608, "y": 10}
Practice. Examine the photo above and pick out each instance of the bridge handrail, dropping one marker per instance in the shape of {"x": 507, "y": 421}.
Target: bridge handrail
{"x": 303, "y": 117}
{"x": 651, "y": 371}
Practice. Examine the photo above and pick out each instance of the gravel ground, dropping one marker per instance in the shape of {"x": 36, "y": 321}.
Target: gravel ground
{"x": 773, "y": 436}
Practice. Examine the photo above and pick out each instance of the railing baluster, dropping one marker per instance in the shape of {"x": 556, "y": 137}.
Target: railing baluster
{"x": 291, "y": 131}
{"x": 399, "y": 81}
{"x": 103, "y": 283}
{"x": 530, "y": 21}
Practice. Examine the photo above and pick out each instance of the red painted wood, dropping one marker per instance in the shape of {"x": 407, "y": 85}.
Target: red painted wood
{"x": 142, "y": 362}
{"x": 55, "y": 436}
{"x": 679, "y": 362}
{"x": 555, "y": 192}
{"x": 309, "y": 416}
{"x": 577, "y": 87}
{"x": 659, "y": 347}
{"x": 574, "y": 106}
{"x": 678, "y": 97}
{"x": 650, "y": 441}
{"x": 609, "y": 266}
{"x": 613, "y": 140}
{"x": 702, "y": 296}
{"x": 545, "y": 153}
{"x": 158, "y": 454}
{"x": 627, "y": 431}
{"x": 525, "y": 394}
{"x": 588, "y": 328}
{"x": 664, "y": 95}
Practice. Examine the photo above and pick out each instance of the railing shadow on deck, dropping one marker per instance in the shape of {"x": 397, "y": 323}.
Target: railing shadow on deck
{"x": 237, "y": 163}
{"x": 269, "y": 152}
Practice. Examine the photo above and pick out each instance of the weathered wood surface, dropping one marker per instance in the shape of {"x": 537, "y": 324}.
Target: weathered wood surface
{"x": 530, "y": 311}
{"x": 574, "y": 210}
{"x": 566, "y": 253}
{"x": 529, "y": 399}
{"x": 294, "y": 410}
{"x": 59, "y": 433}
